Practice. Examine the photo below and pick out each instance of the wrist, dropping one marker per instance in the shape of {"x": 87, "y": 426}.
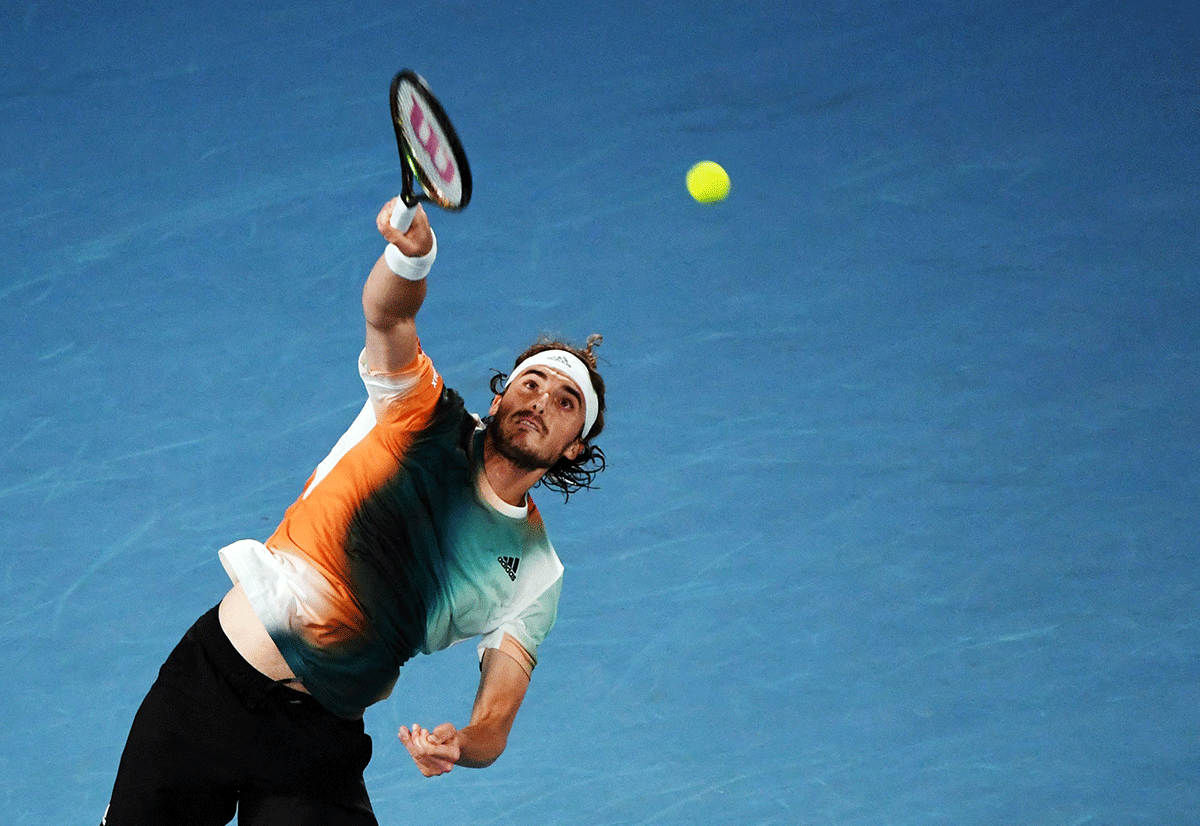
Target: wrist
{"x": 410, "y": 269}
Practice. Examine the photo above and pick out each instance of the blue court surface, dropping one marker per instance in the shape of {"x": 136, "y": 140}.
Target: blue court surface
{"x": 902, "y": 522}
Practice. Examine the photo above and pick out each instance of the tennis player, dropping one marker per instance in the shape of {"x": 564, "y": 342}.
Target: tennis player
{"x": 414, "y": 533}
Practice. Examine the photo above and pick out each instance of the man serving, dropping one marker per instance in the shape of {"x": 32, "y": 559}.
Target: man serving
{"x": 414, "y": 533}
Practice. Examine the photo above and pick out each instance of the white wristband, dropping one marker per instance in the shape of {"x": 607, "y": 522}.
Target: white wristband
{"x": 412, "y": 269}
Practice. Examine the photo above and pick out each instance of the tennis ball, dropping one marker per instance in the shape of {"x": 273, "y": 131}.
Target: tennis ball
{"x": 708, "y": 182}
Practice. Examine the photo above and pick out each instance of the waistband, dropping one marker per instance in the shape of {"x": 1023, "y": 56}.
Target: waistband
{"x": 248, "y": 682}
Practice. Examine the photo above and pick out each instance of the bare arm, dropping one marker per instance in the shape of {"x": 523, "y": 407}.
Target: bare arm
{"x": 502, "y": 686}
{"x": 390, "y": 303}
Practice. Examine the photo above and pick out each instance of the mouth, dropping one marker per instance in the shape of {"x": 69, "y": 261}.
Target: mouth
{"x": 529, "y": 422}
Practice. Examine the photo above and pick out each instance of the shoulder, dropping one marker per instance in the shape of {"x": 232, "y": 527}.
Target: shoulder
{"x": 542, "y": 569}
{"x": 418, "y": 379}
{"x": 408, "y": 397}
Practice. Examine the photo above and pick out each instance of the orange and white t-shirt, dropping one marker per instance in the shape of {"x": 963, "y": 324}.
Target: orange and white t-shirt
{"x": 397, "y": 546}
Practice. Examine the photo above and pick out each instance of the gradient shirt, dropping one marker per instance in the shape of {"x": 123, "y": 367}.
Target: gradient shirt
{"x": 398, "y": 546}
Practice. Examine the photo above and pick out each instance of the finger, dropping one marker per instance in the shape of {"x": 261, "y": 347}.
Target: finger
{"x": 432, "y": 767}
{"x": 385, "y": 214}
{"x": 419, "y": 238}
{"x": 442, "y": 734}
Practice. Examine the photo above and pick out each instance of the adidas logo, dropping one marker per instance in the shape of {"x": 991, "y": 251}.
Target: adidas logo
{"x": 509, "y": 564}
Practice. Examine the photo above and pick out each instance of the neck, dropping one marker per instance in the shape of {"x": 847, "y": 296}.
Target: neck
{"x": 508, "y": 480}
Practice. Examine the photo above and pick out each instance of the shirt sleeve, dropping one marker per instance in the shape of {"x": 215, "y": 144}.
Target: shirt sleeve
{"x": 416, "y": 388}
{"x": 529, "y": 626}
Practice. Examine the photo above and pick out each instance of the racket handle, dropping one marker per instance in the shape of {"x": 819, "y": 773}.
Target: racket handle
{"x": 402, "y": 216}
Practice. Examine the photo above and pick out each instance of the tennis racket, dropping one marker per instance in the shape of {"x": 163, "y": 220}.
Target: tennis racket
{"x": 430, "y": 152}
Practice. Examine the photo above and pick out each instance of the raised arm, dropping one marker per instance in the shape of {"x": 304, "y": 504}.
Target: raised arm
{"x": 390, "y": 301}
{"x": 502, "y": 686}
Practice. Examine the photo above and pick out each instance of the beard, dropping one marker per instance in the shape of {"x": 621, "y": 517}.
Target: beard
{"x": 506, "y": 439}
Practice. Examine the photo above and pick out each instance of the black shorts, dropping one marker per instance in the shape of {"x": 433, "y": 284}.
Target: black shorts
{"x": 214, "y": 735}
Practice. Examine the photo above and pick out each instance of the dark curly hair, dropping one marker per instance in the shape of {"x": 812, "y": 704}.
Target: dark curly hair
{"x": 570, "y": 476}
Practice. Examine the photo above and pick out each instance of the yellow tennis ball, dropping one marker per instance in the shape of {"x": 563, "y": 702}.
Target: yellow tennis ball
{"x": 708, "y": 182}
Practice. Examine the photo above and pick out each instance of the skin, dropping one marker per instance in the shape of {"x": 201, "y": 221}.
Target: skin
{"x": 537, "y": 420}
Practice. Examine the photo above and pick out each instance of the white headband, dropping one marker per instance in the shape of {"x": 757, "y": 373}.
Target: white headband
{"x": 573, "y": 368}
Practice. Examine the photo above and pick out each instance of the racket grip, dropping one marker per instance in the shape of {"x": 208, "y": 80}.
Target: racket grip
{"x": 402, "y": 216}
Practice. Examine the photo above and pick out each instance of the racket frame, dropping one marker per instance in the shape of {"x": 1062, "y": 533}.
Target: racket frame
{"x": 411, "y": 170}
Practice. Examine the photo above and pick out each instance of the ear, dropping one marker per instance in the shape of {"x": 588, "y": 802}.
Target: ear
{"x": 495, "y": 406}
{"x": 573, "y": 450}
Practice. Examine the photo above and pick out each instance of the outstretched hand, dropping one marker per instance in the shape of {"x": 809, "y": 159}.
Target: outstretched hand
{"x": 435, "y": 752}
{"x": 414, "y": 243}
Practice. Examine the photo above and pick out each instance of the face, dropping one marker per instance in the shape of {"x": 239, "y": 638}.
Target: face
{"x": 538, "y": 419}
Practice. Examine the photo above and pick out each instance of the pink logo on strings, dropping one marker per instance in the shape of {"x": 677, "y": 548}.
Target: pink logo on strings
{"x": 425, "y": 135}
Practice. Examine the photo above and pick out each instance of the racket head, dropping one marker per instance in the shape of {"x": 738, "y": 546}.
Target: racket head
{"x": 430, "y": 150}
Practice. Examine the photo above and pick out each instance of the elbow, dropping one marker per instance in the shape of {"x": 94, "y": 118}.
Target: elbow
{"x": 376, "y": 312}
{"x": 377, "y": 319}
{"x": 386, "y": 318}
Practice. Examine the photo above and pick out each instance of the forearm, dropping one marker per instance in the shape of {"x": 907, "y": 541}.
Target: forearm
{"x": 502, "y": 687}
{"x": 395, "y": 290}
{"x": 389, "y": 300}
